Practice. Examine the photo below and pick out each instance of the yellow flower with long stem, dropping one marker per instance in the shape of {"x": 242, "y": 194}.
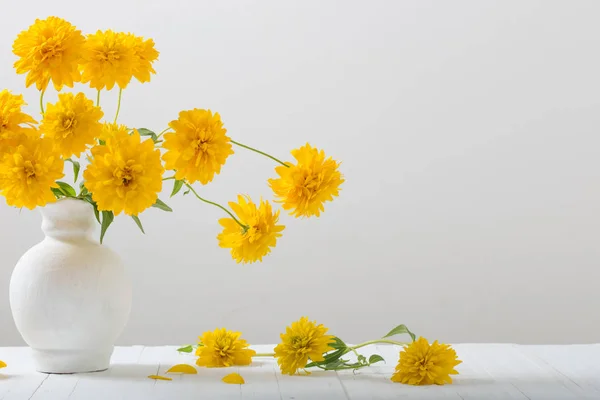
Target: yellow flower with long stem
{"x": 125, "y": 174}
{"x": 14, "y": 123}
{"x": 72, "y": 123}
{"x": 303, "y": 340}
{"x": 49, "y": 50}
{"x": 223, "y": 348}
{"x": 107, "y": 59}
{"x": 304, "y": 187}
{"x": 198, "y": 147}
{"x": 253, "y": 233}
{"x": 28, "y": 173}
{"x": 423, "y": 364}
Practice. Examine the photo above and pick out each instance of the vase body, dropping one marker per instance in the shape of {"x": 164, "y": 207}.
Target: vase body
{"x": 69, "y": 295}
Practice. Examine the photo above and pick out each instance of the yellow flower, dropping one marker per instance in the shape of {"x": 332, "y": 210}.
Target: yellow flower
{"x": 145, "y": 54}
{"x": 304, "y": 187}
{"x": 72, "y": 123}
{"x": 13, "y": 122}
{"x": 125, "y": 174}
{"x": 28, "y": 173}
{"x": 108, "y": 58}
{"x": 302, "y": 340}
{"x": 49, "y": 49}
{"x": 2, "y": 364}
{"x": 223, "y": 348}
{"x": 255, "y": 242}
{"x": 422, "y": 364}
{"x": 113, "y": 130}
{"x": 198, "y": 148}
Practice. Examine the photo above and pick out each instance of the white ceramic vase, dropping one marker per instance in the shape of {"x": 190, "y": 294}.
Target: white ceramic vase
{"x": 69, "y": 295}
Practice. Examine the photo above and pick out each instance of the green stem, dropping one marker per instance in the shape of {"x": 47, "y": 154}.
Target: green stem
{"x": 164, "y": 131}
{"x": 98, "y": 99}
{"x": 245, "y": 227}
{"x": 260, "y": 152}
{"x": 264, "y": 355}
{"x": 42, "y": 100}
{"x": 387, "y": 341}
{"x": 170, "y": 177}
{"x": 118, "y": 105}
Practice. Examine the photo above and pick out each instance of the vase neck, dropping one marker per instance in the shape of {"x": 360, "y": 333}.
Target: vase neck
{"x": 68, "y": 219}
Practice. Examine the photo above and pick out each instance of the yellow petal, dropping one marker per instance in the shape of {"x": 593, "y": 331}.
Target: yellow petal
{"x": 234, "y": 378}
{"x": 162, "y": 378}
{"x": 2, "y": 364}
{"x": 182, "y": 368}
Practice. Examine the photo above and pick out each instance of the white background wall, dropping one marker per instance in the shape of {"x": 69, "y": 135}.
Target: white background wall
{"x": 469, "y": 135}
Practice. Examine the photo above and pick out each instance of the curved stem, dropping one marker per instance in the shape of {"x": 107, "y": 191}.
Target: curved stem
{"x": 216, "y": 205}
{"x": 387, "y": 341}
{"x": 42, "y": 100}
{"x": 260, "y": 152}
{"x": 98, "y": 99}
{"x": 170, "y": 177}
{"x": 163, "y": 132}
{"x": 118, "y": 105}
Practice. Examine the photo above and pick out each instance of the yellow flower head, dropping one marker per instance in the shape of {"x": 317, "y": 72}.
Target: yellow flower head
{"x": 255, "y": 242}
{"x": 198, "y": 148}
{"x": 304, "y": 187}
{"x": 223, "y": 348}
{"x": 72, "y": 123}
{"x": 125, "y": 174}
{"x": 108, "y": 58}
{"x": 145, "y": 54}
{"x": 49, "y": 49}
{"x": 28, "y": 173}
{"x": 424, "y": 364}
{"x": 112, "y": 130}
{"x": 302, "y": 340}
{"x": 13, "y": 122}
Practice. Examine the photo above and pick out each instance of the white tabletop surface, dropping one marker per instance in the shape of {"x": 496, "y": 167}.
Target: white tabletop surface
{"x": 488, "y": 371}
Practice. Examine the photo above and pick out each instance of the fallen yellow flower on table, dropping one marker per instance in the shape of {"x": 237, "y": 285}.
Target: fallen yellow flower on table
{"x": 424, "y": 364}
{"x": 182, "y": 369}
{"x": 234, "y": 378}
{"x": 2, "y": 364}
{"x": 160, "y": 378}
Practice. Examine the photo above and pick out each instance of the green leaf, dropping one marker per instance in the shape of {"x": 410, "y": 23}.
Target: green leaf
{"x": 186, "y": 192}
{"x": 138, "y": 223}
{"x": 148, "y": 132}
{"x": 362, "y": 359}
{"x": 375, "y": 358}
{"x": 66, "y": 189}
{"x": 76, "y": 168}
{"x": 160, "y": 204}
{"x": 83, "y": 191}
{"x": 399, "y": 330}
{"x": 107, "y": 219}
{"x": 101, "y": 142}
{"x": 57, "y": 192}
{"x": 176, "y": 187}
{"x": 338, "y": 343}
{"x": 187, "y": 349}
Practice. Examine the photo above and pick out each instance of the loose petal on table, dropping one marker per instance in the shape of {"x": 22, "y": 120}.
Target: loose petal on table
{"x": 182, "y": 369}
{"x": 160, "y": 378}
{"x": 234, "y": 378}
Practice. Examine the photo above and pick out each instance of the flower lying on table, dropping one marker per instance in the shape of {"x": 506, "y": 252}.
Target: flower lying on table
{"x": 305, "y": 345}
{"x": 125, "y": 166}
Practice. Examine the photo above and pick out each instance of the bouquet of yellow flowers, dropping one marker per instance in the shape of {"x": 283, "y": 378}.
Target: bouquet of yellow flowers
{"x": 125, "y": 167}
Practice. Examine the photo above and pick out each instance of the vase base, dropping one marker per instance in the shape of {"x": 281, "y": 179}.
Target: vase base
{"x": 71, "y": 361}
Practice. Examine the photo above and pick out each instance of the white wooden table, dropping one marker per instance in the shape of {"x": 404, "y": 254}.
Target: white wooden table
{"x": 488, "y": 371}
